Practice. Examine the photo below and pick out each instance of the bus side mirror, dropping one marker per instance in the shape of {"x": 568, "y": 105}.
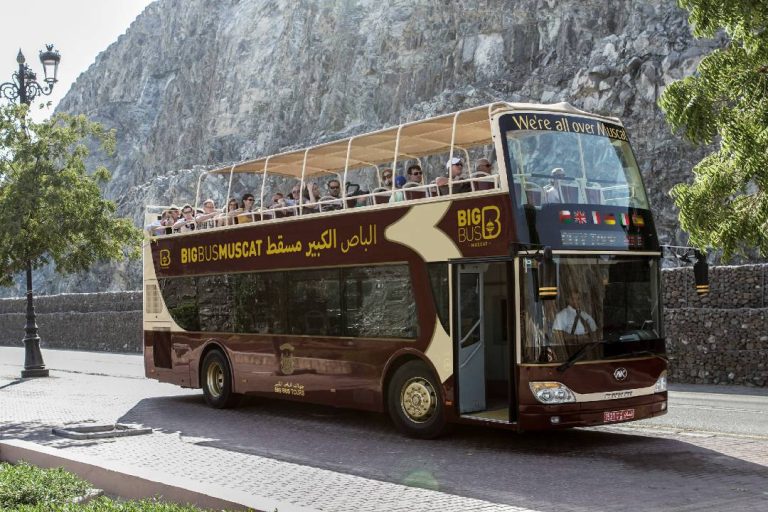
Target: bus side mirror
{"x": 547, "y": 275}
{"x": 701, "y": 273}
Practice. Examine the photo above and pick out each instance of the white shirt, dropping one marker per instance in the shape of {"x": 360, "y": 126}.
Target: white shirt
{"x": 564, "y": 322}
{"x": 551, "y": 195}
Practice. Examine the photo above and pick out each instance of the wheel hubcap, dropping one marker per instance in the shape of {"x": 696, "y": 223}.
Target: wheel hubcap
{"x": 215, "y": 379}
{"x": 418, "y": 399}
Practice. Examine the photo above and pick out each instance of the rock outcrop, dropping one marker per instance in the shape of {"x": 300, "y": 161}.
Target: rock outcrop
{"x": 194, "y": 82}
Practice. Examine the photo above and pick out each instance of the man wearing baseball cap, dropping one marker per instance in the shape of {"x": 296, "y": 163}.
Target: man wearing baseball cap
{"x": 454, "y": 166}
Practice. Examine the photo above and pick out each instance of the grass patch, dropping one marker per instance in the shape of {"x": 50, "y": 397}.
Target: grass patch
{"x": 27, "y": 488}
{"x": 22, "y": 484}
{"x": 109, "y": 505}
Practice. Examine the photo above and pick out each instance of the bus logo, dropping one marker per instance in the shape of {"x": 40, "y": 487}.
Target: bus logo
{"x": 165, "y": 258}
{"x": 478, "y": 224}
{"x": 287, "y": 363}
{"x": 620, "y": 374}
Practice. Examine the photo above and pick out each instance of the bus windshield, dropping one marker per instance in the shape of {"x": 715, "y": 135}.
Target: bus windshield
{"x": 549, "y": 167}
{"x": 611, "y": 301}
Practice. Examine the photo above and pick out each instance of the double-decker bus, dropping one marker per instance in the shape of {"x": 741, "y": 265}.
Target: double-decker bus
{"x": 525, "y": 295}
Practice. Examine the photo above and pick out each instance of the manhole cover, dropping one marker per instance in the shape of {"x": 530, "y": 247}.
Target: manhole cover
{"x": 100, "y": 431}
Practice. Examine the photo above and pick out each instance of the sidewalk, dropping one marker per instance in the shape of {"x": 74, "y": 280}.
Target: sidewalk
{"x": 96, "y": 388}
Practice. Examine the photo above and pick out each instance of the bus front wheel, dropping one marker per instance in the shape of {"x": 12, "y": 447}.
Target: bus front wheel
{"x": 216, "y": 377}
{"x": 414, "y": 401}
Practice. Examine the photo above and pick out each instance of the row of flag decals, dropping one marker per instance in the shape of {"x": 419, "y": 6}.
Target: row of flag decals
{"x": 610, "y": 219}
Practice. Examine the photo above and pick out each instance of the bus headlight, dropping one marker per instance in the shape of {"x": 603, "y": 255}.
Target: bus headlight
{"x": 661, "y": 383}
{"x": 551, "y": 392}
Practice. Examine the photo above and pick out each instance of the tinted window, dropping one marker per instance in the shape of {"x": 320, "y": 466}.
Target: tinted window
{"x": 314, "y": 302}
{"x": 363, "y": 301}
{"x": 379, "y": 302}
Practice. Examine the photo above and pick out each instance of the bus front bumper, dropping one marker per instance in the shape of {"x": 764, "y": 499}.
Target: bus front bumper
{"x": 589, "y": 414}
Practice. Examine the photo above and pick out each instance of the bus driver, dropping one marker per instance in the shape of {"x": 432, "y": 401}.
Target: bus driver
{"x": 571, "y": 320}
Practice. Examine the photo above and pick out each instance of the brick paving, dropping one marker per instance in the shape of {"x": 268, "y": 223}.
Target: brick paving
{"x": 327, "y": 459}
{"x": 30, "y": 408}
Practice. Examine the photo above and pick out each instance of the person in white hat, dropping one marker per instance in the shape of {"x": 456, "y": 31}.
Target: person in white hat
{"x": 454, "y": 166}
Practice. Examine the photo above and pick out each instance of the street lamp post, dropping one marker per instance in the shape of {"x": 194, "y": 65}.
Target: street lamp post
{"x": 25, "y": 88}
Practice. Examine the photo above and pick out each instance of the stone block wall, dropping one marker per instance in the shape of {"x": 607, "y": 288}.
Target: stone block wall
{"x": 719, "y": 339}
{"x": 107, "y": 322}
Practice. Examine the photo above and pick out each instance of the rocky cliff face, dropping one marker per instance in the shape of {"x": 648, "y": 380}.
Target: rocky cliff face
{"x": 194, "y": 82}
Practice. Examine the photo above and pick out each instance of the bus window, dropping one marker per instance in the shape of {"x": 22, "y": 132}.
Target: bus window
{"x": 613, "y": 301}
{"x": 573, "y": 168}
{"x": 379, "y": 302}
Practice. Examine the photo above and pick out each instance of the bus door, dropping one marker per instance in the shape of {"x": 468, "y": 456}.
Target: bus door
{"x": 481, "y": 342}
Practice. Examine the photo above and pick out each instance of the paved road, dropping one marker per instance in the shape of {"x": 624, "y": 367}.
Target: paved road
{"x": 709, "y": 453}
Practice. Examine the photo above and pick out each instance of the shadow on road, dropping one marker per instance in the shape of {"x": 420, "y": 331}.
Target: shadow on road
{"x": 579, "y": 469}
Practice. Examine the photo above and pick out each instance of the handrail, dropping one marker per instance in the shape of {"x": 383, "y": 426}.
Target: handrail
{"x": 263, "y": 186}
{"x": 197, "y": 192}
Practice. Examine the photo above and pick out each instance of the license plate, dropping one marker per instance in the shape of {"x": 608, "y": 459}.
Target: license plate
{"x": 623, "y": 415}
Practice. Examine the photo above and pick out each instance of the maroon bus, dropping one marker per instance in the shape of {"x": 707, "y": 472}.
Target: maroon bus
{"x": 513, "y": 280}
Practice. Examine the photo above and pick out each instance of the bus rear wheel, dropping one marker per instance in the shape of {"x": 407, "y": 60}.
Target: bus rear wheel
{"x": 414, "y": 401}
{"x": 216, "y": 378}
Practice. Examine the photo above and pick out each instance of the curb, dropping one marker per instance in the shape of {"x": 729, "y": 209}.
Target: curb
{"x": 133, "y": 483}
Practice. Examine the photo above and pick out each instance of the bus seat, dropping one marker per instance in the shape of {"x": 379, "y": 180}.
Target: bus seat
{"x": 381, "y": 195}
{"x": 482, "y": 181}
{"x": 245, "y": 217}
{"x": 414, "y": 194}
{"x": 518, "y": 191}
{"x": 594, "y": 193}
{"x": 533, "y": 194}
{"x": 569, "y": 192}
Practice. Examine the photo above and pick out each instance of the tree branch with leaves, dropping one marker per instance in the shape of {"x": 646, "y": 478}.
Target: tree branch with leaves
{"x": 726, "y": 103}
{"x": 51, "y": 207}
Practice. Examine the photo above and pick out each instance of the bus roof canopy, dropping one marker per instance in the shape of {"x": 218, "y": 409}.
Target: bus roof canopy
{"x": 462, "y": 129}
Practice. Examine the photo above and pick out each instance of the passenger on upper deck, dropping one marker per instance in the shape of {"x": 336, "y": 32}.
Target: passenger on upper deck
{"x": 293, "y": 198}
{"x": 386, "y": 178}
{"x": 187, "y": 222}
{"x": 205, "y": 220}
{"x": 228, "y": 217}
{"x": 278, "y": 200}
{"x": 455, "y": 166}
{"x": 248, "y": 202}
{"x": 552, "y": 191}
{"x": 164, "y": 225}
{"x": 334, "y": 188}
{"x": 415, "y": 175}
{"x": 483, "y": 165}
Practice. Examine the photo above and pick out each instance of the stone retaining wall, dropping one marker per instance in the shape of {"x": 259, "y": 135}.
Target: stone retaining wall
{"x": 719, "y": 339}
{"x": 107, "y": 322}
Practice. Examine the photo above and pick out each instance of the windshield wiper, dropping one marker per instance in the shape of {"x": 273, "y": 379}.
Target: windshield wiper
{"x": 638, "y": 353}
{"x": 578, "y": 354}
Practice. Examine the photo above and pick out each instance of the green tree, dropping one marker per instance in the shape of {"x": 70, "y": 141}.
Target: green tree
{"x": 51, "y": 208}
{"x": 726, "y": 102}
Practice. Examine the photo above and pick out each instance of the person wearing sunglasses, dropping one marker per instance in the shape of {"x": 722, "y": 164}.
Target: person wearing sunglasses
{"x": 187, "y": 221}
{"x": 334, "y": 188}
{"x": 454, "y": 174}
{"x": 229, "y": 216}
{"x": 415, "y": 174}
{"x": 415, "y": 177}
{"x": 205, "y": 219}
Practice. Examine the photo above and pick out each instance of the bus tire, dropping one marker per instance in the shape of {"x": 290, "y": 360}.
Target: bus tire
{"x": 216, "y": 379}
{"x": 414, "y": 401}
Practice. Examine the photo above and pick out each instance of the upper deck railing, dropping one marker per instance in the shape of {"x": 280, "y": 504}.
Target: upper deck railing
{"x": 467, "y": 135}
